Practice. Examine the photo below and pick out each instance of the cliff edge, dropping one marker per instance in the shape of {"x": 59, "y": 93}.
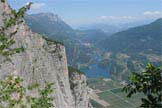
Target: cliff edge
{"x": 41, "y": 61}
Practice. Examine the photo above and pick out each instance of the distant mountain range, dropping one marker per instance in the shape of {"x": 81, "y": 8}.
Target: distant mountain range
{"x": 145, "y": 39}
{"x": 107, "y": 28}
{"x": 131, "y": 49}
{"x": 111, "y": 28}
{"x": 123, "y": 52}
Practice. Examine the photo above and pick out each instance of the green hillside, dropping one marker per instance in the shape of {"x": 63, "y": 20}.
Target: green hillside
{"x": 132, "y": 49}
{"x": 91, "y": 36}
{"x": 145, "y": 38}
{"x": 124, "y": 52}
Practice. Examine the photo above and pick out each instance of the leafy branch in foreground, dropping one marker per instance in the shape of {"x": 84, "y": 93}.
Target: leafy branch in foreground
{"x": 149, "y": 83}
{"x": 14, "y": 95}
{"x": 44, "y": 100}
{"x": 6, "y": 38}
{"x": 12, "y": 92}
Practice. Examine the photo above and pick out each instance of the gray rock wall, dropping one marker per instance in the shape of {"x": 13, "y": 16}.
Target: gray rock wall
{"x": 80, "y": 90}
{"x": 41, "y": 61}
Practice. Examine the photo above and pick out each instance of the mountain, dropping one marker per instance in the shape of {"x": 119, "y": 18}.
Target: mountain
{"x": 43, "y": 61}
{"x": 107, "y": 28}
{"x": 130, "y": 50}
{"x": 75, "y": 41}
{"x": 91, "y": 36}
{"x": 144, "y": 38}
{"x": 111, "y": 28}
{"x": 49, "y": 24}
{"x": 54, "y": 28}
{"x": 119, "y": 53}
{"x": 137, "y": 23}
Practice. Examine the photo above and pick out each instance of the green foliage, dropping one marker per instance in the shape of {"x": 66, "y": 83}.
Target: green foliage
{"x": 141, "y": 44}
{"x": 2, "y": 1}
{"x": 52, "y": 40}
{"x": 14, "y": 95}
{"x": 6, "y": 38}
{"x": 71, "y": 70}
{"x": 44, "y": 100}
{"x": 12, "y": 92}
{"x": 149, "y": 83}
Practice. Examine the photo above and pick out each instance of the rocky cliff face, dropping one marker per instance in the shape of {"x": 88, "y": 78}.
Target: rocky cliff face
{"x": 41, "y": 61}
{"x": 80, "y": 90}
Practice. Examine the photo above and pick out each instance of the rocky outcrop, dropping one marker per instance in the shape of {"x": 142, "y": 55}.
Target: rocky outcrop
{"x": 80, "y": 90}
{"x": 41, "y": 61}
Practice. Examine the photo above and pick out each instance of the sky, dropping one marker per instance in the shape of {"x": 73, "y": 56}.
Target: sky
{"x": 78, "y": 12}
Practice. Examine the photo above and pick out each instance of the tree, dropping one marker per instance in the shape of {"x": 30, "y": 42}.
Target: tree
{"x": 149, "y": 83}
{"x": 12, "y": 92}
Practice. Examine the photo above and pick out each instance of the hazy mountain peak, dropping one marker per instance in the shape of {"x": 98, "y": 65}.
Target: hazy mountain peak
{"x": 47, "y": 23}
{"x": 50, "y": 16}
{"x": 158, "y": 21}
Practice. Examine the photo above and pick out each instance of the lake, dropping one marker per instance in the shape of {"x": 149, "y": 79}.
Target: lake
{"x": 94, "y": 71}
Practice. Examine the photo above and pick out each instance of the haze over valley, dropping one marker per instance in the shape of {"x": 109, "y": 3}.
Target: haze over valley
{"x": 96, "y": 52}
{"x": 90, "y": 48}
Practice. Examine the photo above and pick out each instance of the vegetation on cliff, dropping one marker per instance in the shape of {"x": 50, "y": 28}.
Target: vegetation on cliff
{"x": 12, "y": 92}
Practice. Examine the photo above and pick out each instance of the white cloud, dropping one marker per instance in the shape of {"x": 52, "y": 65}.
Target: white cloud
{"x": 116, "y": 17}
{"x": 128, "y": 17}
{"x": 37, "y": 6}
{"x": 107, "y": 17}
{"x": 152, "y": 13}
{"x": 111, "y": 19}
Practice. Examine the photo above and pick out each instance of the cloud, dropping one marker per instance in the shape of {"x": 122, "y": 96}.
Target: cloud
{"x": 152, "y": 13}
{"x": 111, "y": 19}
{"x": 37, "y": 6}
{"x": 107, "y": 17}
{"x": 115, "y": 19}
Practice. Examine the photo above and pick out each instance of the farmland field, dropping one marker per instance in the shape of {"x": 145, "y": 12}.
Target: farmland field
{"x": 110, "y": 92}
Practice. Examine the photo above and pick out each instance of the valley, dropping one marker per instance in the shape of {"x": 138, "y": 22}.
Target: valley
{"x": 94, "y": 54}
{"x": 100, "y": 54}
{"x": 106, "y": 59}
{"x": 108, "y": 94}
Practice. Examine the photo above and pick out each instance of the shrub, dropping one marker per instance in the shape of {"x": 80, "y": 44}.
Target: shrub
{"x": 149, "y": 83}
{"x": 14, "y": 95}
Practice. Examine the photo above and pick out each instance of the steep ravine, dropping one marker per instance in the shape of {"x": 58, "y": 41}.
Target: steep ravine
{"x": 42, "y": 61}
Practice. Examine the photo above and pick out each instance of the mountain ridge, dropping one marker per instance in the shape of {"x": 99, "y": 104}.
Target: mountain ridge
{"x": 83, "y": 46}
{"x": 130, "y": 50}
{"x": 140, "y": 32}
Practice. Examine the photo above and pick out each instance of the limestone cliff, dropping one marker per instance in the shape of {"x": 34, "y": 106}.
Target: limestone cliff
{"x": 80, "y": 90}
{"x": 41, "y": 61}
